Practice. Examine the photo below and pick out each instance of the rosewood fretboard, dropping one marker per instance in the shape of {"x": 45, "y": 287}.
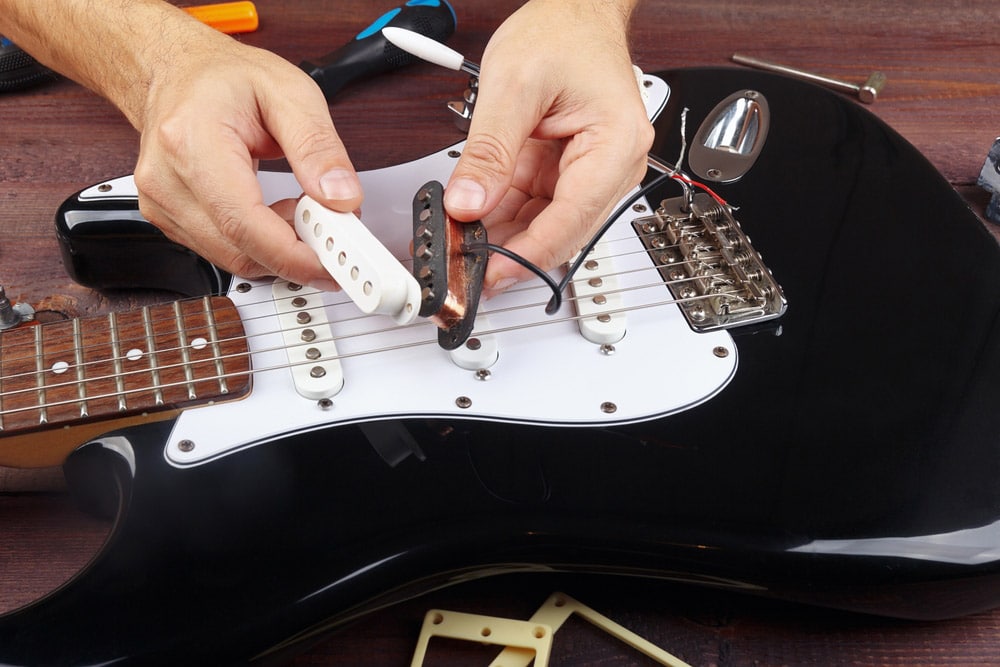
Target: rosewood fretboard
{"x": 121, "y": 365}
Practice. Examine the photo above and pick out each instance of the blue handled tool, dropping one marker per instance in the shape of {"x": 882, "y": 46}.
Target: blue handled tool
{"x": 370, "y": 53}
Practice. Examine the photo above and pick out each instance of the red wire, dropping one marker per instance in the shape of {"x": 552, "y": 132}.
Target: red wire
{"x": 704, "y": 187}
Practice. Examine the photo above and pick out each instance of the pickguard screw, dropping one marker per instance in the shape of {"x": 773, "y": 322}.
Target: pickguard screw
{"x": 608, "y": 349}
{"x": 608, "y": 407}
{"x": 324, "y": 403}
{"x": 639, "y": 208}
{"x": 721, "y": 352}
{"x": 454, "y": 153}
{"x": 185, "y": 445}
{"x": 243, "y": 288}
{"x": 483, "y": 374}
{"x": 104, "y": 187}
{"x": 463, "y": 402}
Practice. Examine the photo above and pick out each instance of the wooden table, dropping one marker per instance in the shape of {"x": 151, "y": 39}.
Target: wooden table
{"x": 942, "y": 95}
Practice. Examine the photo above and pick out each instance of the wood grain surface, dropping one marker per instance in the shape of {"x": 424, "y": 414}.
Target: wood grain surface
{"x": 943, "y": 94}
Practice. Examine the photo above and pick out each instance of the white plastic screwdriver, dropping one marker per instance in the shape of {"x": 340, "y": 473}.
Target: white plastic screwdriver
{"x": 430, "y": 50}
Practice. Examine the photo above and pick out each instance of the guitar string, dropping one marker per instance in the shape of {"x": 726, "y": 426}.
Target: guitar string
{"x": 194, "y": 331}
{"x": 237, "y": 355}
{"x": 252, "y": 371}
{"x": 216, "y": 358}
{"x": 141, "y": 338}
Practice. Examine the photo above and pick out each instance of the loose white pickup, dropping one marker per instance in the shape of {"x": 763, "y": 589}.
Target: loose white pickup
{"x": 361, "y": 265}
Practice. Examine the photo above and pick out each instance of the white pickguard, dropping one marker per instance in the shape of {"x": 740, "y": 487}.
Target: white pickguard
{"x": 546, "y": 372}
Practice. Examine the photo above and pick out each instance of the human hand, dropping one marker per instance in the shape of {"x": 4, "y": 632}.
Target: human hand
{"x": 213, "y": 110}
{"x": 559, "y": 134}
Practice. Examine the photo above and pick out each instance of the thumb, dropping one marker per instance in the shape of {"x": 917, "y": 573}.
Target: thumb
{"x": 315, "y": 152}
{"x": 485, "y": 170}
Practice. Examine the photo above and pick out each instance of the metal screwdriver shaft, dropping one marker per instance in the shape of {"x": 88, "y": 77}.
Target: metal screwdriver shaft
{"x": 867, "y": 92}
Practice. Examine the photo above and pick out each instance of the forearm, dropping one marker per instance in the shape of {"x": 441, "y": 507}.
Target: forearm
{"x": 118, "y": 48}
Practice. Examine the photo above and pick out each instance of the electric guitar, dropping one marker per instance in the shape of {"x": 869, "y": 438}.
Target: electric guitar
{"x": 795, "y": 395}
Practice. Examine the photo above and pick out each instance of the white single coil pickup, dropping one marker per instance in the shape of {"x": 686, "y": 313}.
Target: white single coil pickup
{"x": 480, "y": 350}
{"x": 361, "y": 265}
{"x": 598, "y": 298}
{"x": 312, "y": 352}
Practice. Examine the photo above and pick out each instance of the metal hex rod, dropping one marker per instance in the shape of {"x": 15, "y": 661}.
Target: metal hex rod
{"x": 866, "y": 92}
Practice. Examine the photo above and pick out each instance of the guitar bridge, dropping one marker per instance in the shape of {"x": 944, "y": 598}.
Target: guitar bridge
{"x": 709, "y": 265}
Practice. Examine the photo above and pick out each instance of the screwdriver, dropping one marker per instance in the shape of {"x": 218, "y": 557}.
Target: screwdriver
{"x": 370, "y": 53}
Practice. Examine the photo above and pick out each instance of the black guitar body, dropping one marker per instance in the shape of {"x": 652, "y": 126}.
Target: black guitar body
{"x": 853, "y": 461}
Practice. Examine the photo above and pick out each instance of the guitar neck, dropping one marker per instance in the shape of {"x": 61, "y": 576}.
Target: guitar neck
{"x": 86, "y": 376}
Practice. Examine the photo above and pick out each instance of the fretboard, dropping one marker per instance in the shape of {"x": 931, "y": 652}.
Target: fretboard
{"x": 161, "y": 357}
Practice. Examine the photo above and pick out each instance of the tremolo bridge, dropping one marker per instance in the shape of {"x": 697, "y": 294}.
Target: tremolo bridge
{"x": 709, "y": 265}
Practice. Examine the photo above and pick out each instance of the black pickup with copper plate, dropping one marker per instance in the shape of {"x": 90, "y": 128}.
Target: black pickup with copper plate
{"x": 449, "y": 262}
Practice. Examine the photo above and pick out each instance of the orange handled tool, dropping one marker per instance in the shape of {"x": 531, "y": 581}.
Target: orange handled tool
{"x": 227, "y": 17}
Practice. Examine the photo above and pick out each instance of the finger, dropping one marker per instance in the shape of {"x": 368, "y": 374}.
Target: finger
{"x": 200, "y": 233}
{"x": 226, "y": 189}
{"x": 497, "y": 134}
{"x": 584, "y": 197}
{"x": 302, "y": 126}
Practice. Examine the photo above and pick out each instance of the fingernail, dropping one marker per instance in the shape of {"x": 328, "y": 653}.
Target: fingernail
{"x": 464, "y": 194}
{"x": 340, "y": 184}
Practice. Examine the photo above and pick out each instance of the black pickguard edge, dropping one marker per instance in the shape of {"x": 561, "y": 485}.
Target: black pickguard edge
{"x": 872, "y": 415}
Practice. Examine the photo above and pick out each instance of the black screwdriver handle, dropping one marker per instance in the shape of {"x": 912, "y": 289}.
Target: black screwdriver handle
{"x": 370, "y": 53}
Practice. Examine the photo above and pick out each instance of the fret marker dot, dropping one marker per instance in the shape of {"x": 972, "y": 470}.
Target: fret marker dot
{"x": 60, "y": 367}
{"x": 134, "y": 354}
{"x": 199, "y": 343}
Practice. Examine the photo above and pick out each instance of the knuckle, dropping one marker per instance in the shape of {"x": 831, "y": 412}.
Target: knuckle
{"x": 308, "y": 143}
{"x": 241, "y": 265}
{"x": 487, "y": 153}
{"x": 232, "y": 226}
{"x": 172, "y": 135}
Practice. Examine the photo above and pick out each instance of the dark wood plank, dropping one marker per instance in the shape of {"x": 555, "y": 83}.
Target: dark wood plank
{"x": 942, "y": 95}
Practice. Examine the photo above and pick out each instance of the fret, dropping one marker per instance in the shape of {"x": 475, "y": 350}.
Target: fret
{"x": 154, "y": 371}
{"x": 81, "y": 374}
{"x": 92, "y": 370}
{"x": 43, "y": 412}
{"x": 213, "y": 337}
{"x": 185, "y": 352}
{"x": 116, "y": 361}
